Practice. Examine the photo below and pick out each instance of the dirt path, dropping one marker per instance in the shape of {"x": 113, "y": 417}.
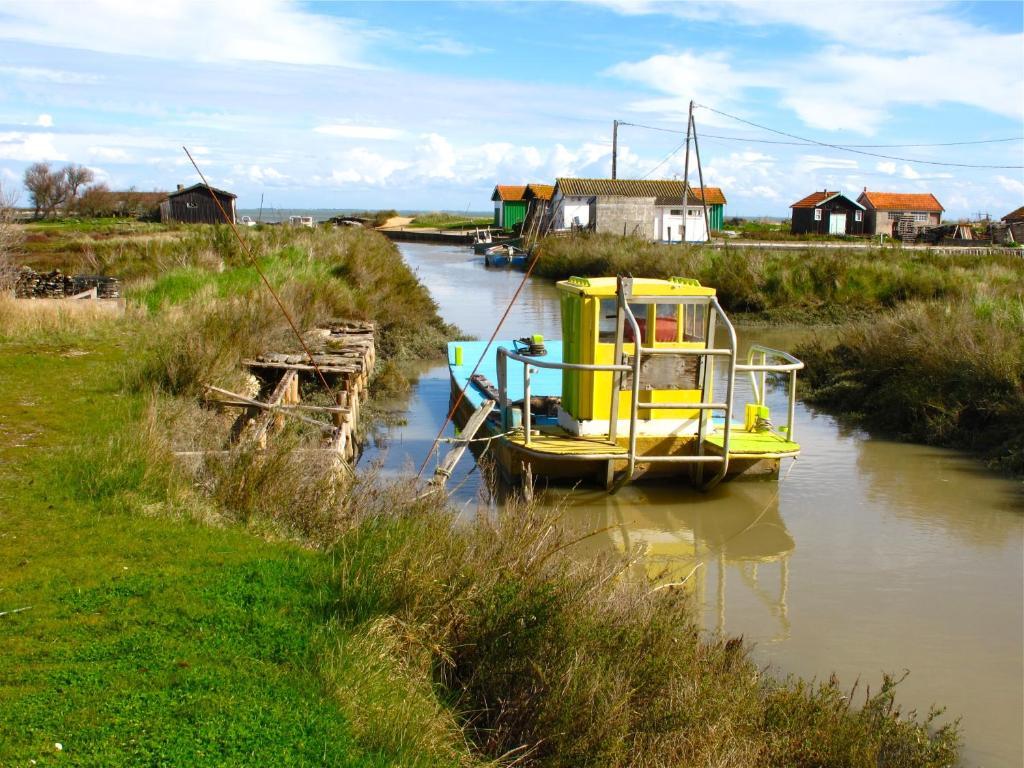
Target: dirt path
{"x": 397, "y": 221}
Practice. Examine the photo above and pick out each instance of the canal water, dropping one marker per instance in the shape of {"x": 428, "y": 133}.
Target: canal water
{"x": 867, "y": 556}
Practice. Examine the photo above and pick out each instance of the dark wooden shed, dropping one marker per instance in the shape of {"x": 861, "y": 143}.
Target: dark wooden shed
{"x": 196, "y": 205}
{"x": 827, "y": 213}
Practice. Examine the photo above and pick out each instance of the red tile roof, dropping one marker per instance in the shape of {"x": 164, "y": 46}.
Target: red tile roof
{"x": 664, "y": 191}
{"x": 899, "y": 201}
{"x": 1015, "y": 216}
{"x": 540, "y": 191}
{"x": 813, "y": 199}
{"x": 508, "y": 192}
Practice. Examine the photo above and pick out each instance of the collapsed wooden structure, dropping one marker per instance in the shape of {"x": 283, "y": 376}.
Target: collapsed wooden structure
{"x": 344, "y": 356}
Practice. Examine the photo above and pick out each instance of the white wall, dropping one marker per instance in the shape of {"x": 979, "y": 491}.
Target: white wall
{"x": 665, "y": 221}
{"x": 568, "y": 208}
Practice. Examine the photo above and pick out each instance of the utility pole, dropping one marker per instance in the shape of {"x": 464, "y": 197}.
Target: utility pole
{"x": 259, "y": 216}
{"x": 700, "y": 175}
{"x": 686, "y": 170}
{"x": 615, "y": 145}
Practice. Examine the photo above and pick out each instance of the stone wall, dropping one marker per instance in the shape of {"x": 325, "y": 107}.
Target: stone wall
{"x": 621, "y": 215}
{"x": 56, "y": 285}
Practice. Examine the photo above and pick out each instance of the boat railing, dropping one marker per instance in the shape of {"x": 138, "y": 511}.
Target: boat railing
{"x": 758, "y": 367}
{"x": 504, "y": 355}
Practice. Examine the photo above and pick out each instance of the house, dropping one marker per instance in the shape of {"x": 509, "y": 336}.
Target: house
{"x": 648, "y": 208}
{"x": 509, "y": 205}
{"x": 198, "y": 205}
{"x": 538, "y": 206}
{"x": 827, "y": 213}
{"x": 887, "y": 213}
{"x": 1015, "y": 223}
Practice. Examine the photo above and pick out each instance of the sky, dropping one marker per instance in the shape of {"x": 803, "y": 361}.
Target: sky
{"x": 427, "y": 106}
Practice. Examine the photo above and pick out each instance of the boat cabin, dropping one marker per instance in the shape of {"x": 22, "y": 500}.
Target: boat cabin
{"x": 641, "y": 383}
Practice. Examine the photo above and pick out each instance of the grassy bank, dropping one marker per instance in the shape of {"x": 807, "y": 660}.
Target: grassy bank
{"x": 803, "y": 286}
{"x": 942, "y": 373}
{"x": 272, "y": 615}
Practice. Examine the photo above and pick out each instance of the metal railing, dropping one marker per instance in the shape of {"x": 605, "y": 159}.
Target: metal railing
{"x": 625, "y": 314}
{"x": 759, "y": 382}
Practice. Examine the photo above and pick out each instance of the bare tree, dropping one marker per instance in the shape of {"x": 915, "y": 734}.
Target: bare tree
{"x": 75, "y": 176}
{"x": 10, "y": 239}
{"x": 47, "y": 188}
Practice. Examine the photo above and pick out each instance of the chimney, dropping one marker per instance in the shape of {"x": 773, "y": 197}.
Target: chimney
{"x": 865, "y": 189}
{"x": 181, "y": 187}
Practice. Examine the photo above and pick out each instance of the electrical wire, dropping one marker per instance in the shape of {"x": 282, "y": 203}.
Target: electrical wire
{"x": 851, "y": 149}
{"x": 248, "y": 252}
{"x": 462, "y": 391}
{"x": 804, "y": 142}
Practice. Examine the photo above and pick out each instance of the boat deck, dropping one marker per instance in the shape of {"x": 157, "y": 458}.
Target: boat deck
{"x": 553, "y": 440}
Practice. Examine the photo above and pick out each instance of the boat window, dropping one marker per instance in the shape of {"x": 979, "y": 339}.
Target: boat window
{"x": 694, "y": 321}
{"x": 606, "y": 322}
{"x": 667, "y": 326}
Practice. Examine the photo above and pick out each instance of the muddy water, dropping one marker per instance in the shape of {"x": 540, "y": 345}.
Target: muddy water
{"x": 868, "y": 556}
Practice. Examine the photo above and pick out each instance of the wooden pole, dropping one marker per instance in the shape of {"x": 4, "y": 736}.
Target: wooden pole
{"x": 700, "y": 174}
{"x": 615, "y": 145}
{"x": 259, "y": 216}
{"x": 686, "y": 171}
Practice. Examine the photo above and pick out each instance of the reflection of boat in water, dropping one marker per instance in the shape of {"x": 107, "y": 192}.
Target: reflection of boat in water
{"x": 695, "y": 542}
{"x": 589, "y": 406}
{"x": 505, "y": 256}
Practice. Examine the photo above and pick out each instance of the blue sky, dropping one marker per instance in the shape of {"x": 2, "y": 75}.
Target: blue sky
{"x": 428, "y": 105}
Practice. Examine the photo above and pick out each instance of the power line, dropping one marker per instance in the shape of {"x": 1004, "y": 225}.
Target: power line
{"x": 851, "y": 149}
{"x": 804, "y": 142}
{"x": 665, "y": 160}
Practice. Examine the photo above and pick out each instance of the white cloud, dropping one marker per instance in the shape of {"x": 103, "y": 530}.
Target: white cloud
{"x": 29, "y": 147}
{"x": 1016, "y": 186}
{"x": 239, "y": 30}
{"x": 46, "y": 121}
{"x": 808, "y": 163}
{"x": 349, "y": 131}
{"x": 914, "y": 54}
{"x": 448, "y": 46}
{"x": 111, "y": 154}
{"x": 886, "y": 167}
{"x": 42, "y": 74}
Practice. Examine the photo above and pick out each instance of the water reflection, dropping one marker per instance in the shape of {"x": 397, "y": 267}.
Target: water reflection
{"x": 682, "y": 537}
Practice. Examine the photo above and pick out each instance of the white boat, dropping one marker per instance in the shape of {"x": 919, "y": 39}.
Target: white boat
{"x": 301, "y": 221}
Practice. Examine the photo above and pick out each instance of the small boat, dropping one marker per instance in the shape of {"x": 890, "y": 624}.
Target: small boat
{"x": 482, "y": 240}
{"x": 505, "y": 256}
{"x": 301, "y": 221}
{"x": 598, "y": 405}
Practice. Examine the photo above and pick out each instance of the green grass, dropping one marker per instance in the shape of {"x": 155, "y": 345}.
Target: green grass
{"x": 442, "y": 220}
{"x": 813, "y": 285}
{"x": 153, "y": 638}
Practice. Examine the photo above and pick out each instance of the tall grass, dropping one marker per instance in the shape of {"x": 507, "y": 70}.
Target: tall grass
{"x": 813, "y": 284}
{"x": 943, "y": 373}
{"x": 559, "y": 663}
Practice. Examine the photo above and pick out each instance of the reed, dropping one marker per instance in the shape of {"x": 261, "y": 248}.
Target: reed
{"x": 810, "y": 285}
{"x": 942, "y": 373}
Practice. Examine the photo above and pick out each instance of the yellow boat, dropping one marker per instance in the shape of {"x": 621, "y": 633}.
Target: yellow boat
{"x": 598, "y": 405}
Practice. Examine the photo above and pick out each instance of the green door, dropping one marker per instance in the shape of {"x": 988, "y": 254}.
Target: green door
{"x": 515, "y": 212}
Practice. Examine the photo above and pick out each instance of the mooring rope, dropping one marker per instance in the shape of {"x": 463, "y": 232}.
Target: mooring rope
{"x": 248, "y": 252}
{"x": 462, "y": 391}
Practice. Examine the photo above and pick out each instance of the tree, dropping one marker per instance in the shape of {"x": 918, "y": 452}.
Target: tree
{"x": 10, "y": 238}
{"x": 97, "y": 201}
{"x": 75, "y": 176}
{"x": 47, "y": 189}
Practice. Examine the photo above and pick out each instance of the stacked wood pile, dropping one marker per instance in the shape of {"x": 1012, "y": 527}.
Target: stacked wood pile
{"x": 57, "y": 285}
{"x": 344, "y": 357}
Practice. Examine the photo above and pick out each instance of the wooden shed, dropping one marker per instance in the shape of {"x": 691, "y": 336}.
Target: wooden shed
{"x": 827, "y": 213}
{"x": 196, "y": 205}
{"x": 509, "y": 205}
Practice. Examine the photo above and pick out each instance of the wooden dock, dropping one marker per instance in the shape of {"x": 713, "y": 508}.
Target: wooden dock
{"x": 344, "y": 353}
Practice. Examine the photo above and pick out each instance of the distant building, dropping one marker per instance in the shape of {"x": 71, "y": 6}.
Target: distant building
{"x": 197, "y": 205}
{"x": 538, "y": 206}
{"x": 509, "y": 205}
{"x": 652, "y": 209}
{"x": 896, "y": 213}
{"x": 1015, "y": 223}
{"x": 827, "y": 213}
